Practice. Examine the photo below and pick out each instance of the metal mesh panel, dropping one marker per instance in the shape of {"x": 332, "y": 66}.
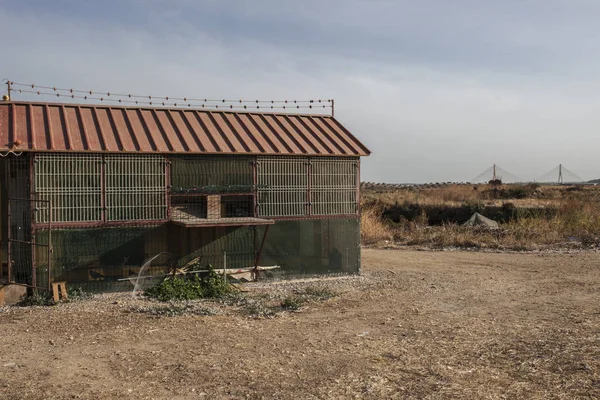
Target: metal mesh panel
{"x": 101, "y": 259}
{"x": 135, "y": 187}
{"x": 73, "y": 185}
{"x": 313, "y": 247}
{"x": 334, "y": 186}
{"x": 282, "y": 186}
{"x": 19, "y": 208}
{"x": 213, "y": 174}
{"x": 217, "y": 246}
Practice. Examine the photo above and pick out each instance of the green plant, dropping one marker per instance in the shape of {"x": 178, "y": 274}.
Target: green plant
{"x": 173, "y": 310}
{"x": 292, "y": 303}
{"x": 77, "y": 293}
{"x": 319, "y": 293}
{"x": 38, "y": 298}
{"x": 190, "y": 288}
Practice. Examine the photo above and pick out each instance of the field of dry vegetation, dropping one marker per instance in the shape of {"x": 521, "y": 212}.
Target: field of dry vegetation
{"x": 531, "y": 217}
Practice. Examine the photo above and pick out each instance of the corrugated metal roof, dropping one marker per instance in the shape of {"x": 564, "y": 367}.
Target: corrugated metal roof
{"x": 96, "y": 128}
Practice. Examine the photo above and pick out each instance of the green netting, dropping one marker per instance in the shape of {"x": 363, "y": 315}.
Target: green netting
{"x": 313, "y": 247}
{"x": 96, "y": 259}
{"x": 99, "y": 259}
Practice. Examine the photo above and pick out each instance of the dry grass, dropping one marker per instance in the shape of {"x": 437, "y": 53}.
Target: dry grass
{"x": 546, "y": 217}
{"x": 373, "y": 228}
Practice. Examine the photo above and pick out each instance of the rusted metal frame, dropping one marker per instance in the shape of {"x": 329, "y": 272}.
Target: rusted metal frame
{"x": 208, "y": 194}
{"x": 168, "y": 186}
{"x": 309, "y": 186}
{"x": 357, "y": 165}
{"x": 255, "y": 186}
{"x": 32, "y": 195}
{"x": 28, "y": 286}
{"x": 315, "y": 217}
{"x": 28, "y": 242}
{"x": 260, "y": 250}
{"x": 103, "y": 207}
{"x": 50, "y": 249}
{"x": 254, "y": 237}
{"x": 220, "y": 224}
{"x": 9, "y": 233}
{"x": 102, "y": 224}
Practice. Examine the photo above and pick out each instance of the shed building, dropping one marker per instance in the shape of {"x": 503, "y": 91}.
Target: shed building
{"x": 90, "y": 192}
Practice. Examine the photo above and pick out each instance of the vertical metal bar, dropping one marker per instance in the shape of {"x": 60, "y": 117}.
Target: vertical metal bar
{"x": 50, "y": 250}
{"x": 224, "y": 266}
{"x": 9, "y": 235}
{"x": 262, "y": 245}
{"x": 167, "y": 172}
{"x": 255, "y": 188}
{"x": 332, "y": 108}
{"x": 358, "y": 187}
{"x": 254, "y": 244}
{"x": 309, "y": 186}
{"x": 8, "y": 88}
{"x": 31, "y": 218}
{"x": 103, "y": 188}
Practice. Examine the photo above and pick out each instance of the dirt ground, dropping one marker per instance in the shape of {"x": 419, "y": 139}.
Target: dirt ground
{"x": 423, "y": 325}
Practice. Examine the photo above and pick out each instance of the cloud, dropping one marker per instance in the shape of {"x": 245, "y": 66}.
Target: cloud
{"x": 438, "y": 91}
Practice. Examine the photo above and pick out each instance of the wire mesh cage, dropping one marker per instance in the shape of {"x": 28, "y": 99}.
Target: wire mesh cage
{"x": 94, "y": 220}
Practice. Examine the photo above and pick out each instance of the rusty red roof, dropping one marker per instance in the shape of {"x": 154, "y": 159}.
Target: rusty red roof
{"x": 28, "y": 126}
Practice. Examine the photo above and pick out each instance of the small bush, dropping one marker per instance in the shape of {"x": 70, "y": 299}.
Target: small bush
{"x": 292, "y": 303}
{"x": 77, "y": 293}
{"x": 183, "y": 288}
{"x": 174, "y": 310}
{"x": 38, "y": 298}
{"x": 319, "y": 293}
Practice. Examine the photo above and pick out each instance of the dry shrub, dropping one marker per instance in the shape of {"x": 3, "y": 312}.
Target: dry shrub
{"x": 373, "y": 229}
{"x": 562, "y": 216}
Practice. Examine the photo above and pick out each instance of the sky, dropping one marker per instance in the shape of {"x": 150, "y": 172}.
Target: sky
{"x": 438, "y": 90}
